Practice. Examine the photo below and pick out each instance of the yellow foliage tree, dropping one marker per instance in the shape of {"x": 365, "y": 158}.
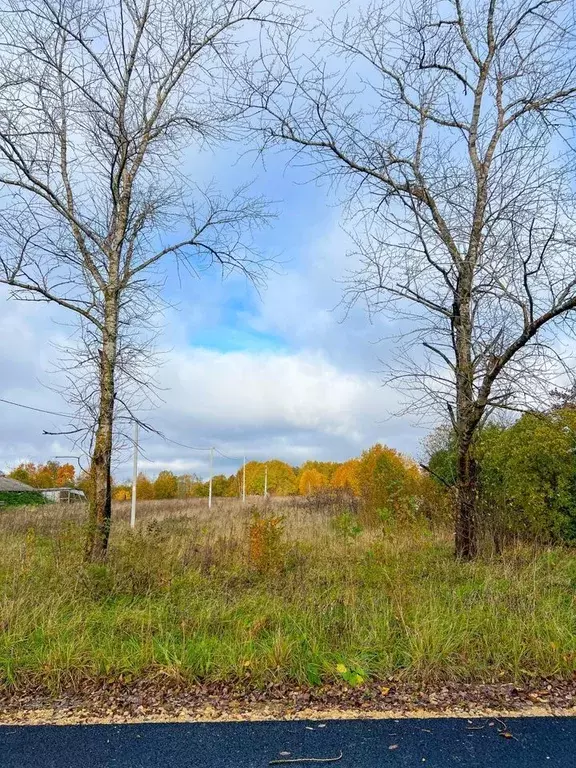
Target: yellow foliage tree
{"x": 166, "y": 485}
{"x": 326, "y": 468}
{"x": 25, "y": 473}
{"x": 389, "y": 483}
{"x": 122, "y": 493}
{"x": 311, "y": 480}
{"x": 282, "y": 480}
{"x": 144, "y": 488}
{"x": 346, "y": 476}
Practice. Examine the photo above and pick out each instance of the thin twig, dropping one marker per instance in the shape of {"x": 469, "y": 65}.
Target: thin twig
{"x": 307, "y": 760}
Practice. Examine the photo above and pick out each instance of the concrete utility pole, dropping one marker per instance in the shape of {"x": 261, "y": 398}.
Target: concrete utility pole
{"x": 134, "y": 477}
{"x": 244, "y": 480}
{"x": 210, "y": 483}
{"x": 266, "y": 481}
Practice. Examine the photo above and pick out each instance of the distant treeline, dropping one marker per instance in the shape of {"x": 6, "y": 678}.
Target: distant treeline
{"x": 280, "y": 478}
{"x": 386, "y": 482}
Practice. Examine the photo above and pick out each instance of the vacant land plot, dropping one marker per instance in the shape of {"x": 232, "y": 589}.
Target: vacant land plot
{"x": 223, "y": 596}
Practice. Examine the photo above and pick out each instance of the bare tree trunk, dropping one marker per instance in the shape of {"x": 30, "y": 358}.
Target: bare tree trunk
{"x": 467, "y": 499}
{"x": 466, "y": 420}
{"x": 100, "y": 506}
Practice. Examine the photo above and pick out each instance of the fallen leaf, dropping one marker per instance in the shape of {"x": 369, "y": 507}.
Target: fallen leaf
{"x": 506, "y": 734}
{"x": 384, "y": 690}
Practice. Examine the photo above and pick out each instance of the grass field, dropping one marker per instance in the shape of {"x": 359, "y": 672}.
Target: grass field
{"x": 206, "y": 596}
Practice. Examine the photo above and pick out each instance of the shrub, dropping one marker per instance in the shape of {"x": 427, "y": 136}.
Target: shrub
{"x": 21, "y": 498}
{"x": 143, "y": 564}
{"x": 346, "y": 525}
{"x": 387, "y": 481}
{"x": 332, "y": 500}
{"x": 527, "y": 477}
{"x": 265, "y": 542}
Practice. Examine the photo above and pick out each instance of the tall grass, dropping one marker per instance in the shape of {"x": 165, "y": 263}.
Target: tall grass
{"x": 183, "y": 597}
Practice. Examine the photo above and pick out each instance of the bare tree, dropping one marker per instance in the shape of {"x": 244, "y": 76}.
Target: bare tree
{"x": 97, "y": 100}
{"x": 450, "y": 123}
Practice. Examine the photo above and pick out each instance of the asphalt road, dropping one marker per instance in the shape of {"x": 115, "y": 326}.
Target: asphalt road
{"x": 433, "y": 743}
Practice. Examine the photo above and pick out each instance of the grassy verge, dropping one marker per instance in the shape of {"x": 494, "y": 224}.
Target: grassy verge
{"x": 197, "y": 596}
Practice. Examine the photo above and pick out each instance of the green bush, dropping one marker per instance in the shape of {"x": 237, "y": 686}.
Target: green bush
{"x": 21, "y": 498}
{"x": 527, "y": 477}
{"x": 346, "y": 525}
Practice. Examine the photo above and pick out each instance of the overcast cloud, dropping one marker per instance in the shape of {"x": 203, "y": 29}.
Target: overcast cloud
{"x": 280, "y": 375}
{"x": 277, "y": 376}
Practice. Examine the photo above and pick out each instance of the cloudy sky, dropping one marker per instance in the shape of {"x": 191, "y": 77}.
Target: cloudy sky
{"x": 280, "y": 375}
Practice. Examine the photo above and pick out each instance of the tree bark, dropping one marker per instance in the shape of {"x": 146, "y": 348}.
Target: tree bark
{"x": 466, "y": 416}
{"x": 100, "y": 503}
{"x": 466, "y": 518}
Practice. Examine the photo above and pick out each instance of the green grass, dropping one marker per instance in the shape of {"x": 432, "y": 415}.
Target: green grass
{"x": 181, "y": 598}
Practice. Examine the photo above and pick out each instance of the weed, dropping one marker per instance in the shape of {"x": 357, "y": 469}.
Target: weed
{"x": 294, "y": 595}
{"x": 265, "y": 542}
{"x": 346, "y": 525}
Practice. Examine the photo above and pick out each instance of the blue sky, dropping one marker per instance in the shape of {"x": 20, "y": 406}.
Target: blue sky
{"x": 280, "y": 374}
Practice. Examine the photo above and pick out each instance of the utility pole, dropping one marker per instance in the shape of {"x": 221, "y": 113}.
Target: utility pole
{"x": 210, "y": 483}
{"x": 266, "y": 481}
{"x": 244, "y": 481}
{"x": 134, "y": 477}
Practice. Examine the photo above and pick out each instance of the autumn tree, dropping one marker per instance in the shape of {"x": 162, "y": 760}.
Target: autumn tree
{"x": 311, "y": 480}
{"x": 346, "y": 476}
{"x": 49, "y": 475}
{"x": 97, "y": 103}
{"x": 144, "y": 488}
{"x": 46, "y": 475}
{"x": 219, "y": 485}
{"x": 65, "y": 475}
{"x": 122, "y": 492}
{"x": 282, "y": 479}
{"x": 448, "y": 123}
{"x": 186, "y": 484}
{"x": 388, "y": 483}
{"x": 326, "y": 468}
{"x": 166, "y": 485}
{"x": 25, "y": 473}
{"x": 233, "y": 487}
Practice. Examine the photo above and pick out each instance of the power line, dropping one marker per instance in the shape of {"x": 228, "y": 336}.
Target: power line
{"x": 182, "y": 445}
{"x": 190, "y": 447}
{"x": 38, "y": 410}
{"x": 160, "y": 434}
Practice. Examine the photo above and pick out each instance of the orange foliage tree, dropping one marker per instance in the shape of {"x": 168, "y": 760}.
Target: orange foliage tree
{"x": 65, "y": 475}
{"x": 346, "y": 476}
{"x": 49, "y": 475}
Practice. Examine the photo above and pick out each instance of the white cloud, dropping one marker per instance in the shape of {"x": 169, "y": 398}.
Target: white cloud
{"x": 319, "y": 397}
{"x": 300, "y": 391}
